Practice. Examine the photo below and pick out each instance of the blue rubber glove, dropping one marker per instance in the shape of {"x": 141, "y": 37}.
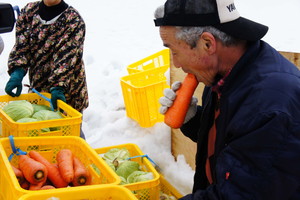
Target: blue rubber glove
{"x": 57, "y": 93}
{"x": 15, "y": 81}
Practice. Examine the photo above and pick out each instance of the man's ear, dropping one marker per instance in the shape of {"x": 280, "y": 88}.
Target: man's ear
{"x": 208, "y": 42}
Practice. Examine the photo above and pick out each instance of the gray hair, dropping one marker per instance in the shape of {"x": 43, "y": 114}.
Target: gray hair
{"x": 190, "y": 34}
{"x": 1, "y": 45}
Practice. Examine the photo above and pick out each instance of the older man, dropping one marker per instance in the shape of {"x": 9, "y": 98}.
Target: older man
{"x": 247, "y": 129}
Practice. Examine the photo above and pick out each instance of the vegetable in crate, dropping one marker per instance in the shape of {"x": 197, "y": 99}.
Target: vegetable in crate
{"x": 18, "y": 109}
{"x": 19, "y": 174}
{"x": 47, "y": 115}
{"x": 139, "y": 176}
{"x": 64, "y": 160}
{"x": 47, "y": 187}
{"x": 81, "y": 174}
{"x": 27, "y": 119}
{"x": 37, "y": 107}
{"x": 127, "y": 167}
{"x": 110, "y": 164}
{"x": 53, "y": 172}
{"x": 37, "y": 186}
{"x": 33, "y": 171}
{"x": 116, "y": 154}
{"x": 43, "y": 115}
{"x": 164, "y": 196}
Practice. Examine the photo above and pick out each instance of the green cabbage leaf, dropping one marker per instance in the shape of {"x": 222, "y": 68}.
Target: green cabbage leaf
{"x": 127, "y": 167}
{"x": 47, "y": 115}
{"x": 27, "y": 119}
{"x": 18, "y": 109}
{"x": 118, "y": 154}
{"x": 37, "y": 107}
{"x": 139, "y": 176}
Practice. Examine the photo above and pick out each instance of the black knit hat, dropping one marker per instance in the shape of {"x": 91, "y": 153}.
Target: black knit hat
{"x": 221, "y": 14}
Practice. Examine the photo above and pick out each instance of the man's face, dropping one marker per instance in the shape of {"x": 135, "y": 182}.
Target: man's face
{"x": 192, "y": 60}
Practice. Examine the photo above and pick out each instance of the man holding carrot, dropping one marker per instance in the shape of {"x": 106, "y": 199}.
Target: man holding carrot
{"x": 247, "y": 129}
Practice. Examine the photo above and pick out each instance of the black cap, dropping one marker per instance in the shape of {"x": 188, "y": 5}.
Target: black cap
{"x": 221, "y": 14}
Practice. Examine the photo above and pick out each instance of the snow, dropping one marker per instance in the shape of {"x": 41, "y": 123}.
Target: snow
{"x": 122, "y": 32}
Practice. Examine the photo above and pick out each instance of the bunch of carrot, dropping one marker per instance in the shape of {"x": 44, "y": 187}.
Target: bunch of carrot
{"x": 35, "y": 172}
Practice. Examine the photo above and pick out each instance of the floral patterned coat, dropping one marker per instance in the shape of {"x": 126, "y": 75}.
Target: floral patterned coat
{"x": 52, "y": 53}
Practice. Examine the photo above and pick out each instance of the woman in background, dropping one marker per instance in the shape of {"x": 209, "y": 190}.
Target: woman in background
{"x": 49, "y": 46}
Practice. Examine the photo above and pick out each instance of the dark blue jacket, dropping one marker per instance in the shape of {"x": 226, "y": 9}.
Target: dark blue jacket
{"x": 257, "y": 152}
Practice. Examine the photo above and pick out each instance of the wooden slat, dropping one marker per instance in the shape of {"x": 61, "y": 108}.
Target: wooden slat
{"x": 293, "y": 57}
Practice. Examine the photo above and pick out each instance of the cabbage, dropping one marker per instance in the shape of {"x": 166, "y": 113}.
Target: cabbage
{"x": 139, "y": 176}
{"x": 164, "y": 196}
{"x": 127, "y": 167}
{"x": 43, "y": 115}
{"x": 111, "y": 165}
{"x": 123, "y": 181}
{"x": 27, "y": 119}
{"x": 18, "y": 109}
{"x": 116, "y": 154}
{"x": 37, "y": 107}
{"x": 46, "y": 115}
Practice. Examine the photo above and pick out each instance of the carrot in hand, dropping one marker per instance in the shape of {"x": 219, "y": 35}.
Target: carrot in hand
{"x": 81, "y": 174}
{"x": 65, "y": 164}
{"x": 18, "y": 174}
{"x": 33, "y": 171}
{"x": 175, "y": 115}
{"x": 53, "y": 172}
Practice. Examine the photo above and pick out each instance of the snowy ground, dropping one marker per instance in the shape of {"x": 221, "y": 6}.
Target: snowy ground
{"x": 121, "y": 32}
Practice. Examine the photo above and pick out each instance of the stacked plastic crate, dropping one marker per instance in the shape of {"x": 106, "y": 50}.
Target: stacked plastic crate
{"x": 143, "y": 87}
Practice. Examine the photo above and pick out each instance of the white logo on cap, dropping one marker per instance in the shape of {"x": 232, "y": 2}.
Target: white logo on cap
{"x": 227, "y": 10}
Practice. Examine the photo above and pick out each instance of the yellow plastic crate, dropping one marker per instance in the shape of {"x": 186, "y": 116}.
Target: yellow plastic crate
{"x": 146, "y": 190}
{"x": 69, "y": 125}
{"x": 141, "y": 93}
{"x": 49, "y": 147}
{"x": 167, "y": 188}
{"x": 159, "y": 59}
{"x": 105, "y": 192}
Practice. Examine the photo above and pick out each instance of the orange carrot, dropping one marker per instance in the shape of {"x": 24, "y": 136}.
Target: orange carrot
{"x": 37, "y": 186}
{"x": 174, "y": 117}
{"x": 33, "y": 171}
{"x": 25, "y": 185}
{"x": 64, "y": 160}
{"x": 18, "y": 174}
{"x": 47, "y": 187}
{"x": 53, "y": 172}
{"x": 81, "y": 174}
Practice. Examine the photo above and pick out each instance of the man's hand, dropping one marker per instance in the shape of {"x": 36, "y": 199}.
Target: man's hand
{"x": 169, "y": 96}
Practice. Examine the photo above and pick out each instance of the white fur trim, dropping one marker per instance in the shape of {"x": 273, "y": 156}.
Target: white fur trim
{"x": 227, "y": 10}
